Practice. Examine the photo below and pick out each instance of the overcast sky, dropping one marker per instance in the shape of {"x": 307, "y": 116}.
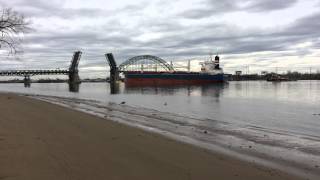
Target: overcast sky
{"x": 263, "y": 34}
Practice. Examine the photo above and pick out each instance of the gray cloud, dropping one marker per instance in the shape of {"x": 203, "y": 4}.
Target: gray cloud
{"x": 213, "y": 7}
{"x": 269, "y": 5}
{"x": 179, "y": 41}
{"x": 130, "y": 31}
{"x": 302, "y": 30}
{"x": 43, "y": 9}
{"x": 306, "y": 27}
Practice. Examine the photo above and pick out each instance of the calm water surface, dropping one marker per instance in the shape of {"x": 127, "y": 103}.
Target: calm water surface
{"x": 287, "y": 106}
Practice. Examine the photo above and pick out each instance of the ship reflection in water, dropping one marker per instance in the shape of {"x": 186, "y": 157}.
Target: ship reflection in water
{"x": 213, "y": 90}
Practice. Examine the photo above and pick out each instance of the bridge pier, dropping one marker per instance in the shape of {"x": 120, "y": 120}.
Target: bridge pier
{"x": 74, "y": 87}
{"x": 74, "y": 78}
{"x": 114, "y": 87}
{"x": 27, "y": 81}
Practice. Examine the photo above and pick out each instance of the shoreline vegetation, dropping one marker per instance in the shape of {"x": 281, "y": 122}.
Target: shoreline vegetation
{"x": 293, "y": 76}
{"x": 40, "y": 140}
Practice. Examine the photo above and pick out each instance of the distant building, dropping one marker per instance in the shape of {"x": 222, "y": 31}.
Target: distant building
{"x": 238, "y": 73}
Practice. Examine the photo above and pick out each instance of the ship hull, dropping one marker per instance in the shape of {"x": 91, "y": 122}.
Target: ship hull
{"x": 176, "y": 78}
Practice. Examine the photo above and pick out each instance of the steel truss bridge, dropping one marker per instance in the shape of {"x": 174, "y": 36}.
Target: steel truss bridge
{"x": 145, "y": 62}
{"x": 137, "y": 63}
{"x": 72, "y": 72}
{"x": 32, "y": 72}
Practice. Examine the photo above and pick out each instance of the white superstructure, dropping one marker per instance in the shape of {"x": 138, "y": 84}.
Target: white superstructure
{"x": 211, "y": 67}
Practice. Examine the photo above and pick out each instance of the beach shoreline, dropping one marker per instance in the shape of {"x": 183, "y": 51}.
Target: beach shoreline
{"x": 41, "y": 140}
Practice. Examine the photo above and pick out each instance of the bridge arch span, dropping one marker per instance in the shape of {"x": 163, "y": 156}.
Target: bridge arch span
{"x": 134, "y": 60}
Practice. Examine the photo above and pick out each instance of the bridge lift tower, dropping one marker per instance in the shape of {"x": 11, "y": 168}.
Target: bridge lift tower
{"x": 114, "y": 70}
{"x": 73, "y": 69}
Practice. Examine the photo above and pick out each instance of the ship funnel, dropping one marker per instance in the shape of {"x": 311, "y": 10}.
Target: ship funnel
{"x": 217, "y": 62}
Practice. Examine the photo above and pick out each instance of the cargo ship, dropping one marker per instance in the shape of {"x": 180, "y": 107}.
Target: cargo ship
{"x": 210, "y": 73}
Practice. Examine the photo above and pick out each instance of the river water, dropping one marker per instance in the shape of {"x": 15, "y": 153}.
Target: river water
{"x": 281, "y": 120}
{"x": 290, "y": 106}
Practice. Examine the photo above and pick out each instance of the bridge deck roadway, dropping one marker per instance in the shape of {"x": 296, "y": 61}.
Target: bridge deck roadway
{"x": 32, "y": 72}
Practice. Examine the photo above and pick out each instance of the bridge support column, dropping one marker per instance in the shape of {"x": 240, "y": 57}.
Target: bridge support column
{"x": 114, "y": 87}
{"x": 74, "y": 87}
{"x": 27, "y": 81}
{"x": 74, "y": 78}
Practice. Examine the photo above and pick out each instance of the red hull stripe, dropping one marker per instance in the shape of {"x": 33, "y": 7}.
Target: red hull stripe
{"x": 159, "y": 81}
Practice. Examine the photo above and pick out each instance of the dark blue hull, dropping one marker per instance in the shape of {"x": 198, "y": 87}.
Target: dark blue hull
{"x": 174, "y": 78}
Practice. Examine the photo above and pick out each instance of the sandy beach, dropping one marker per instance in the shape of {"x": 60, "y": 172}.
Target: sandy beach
{"x": 39, "y": 140}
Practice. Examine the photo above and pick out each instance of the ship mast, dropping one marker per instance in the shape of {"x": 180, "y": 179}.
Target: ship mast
{"x": 210, "y": 56}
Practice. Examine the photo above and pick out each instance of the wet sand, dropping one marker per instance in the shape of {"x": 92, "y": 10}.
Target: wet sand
{"x": 39, "y": 140}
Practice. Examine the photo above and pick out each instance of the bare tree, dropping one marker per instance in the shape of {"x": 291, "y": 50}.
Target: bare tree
{"x": 12, "y": 26}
